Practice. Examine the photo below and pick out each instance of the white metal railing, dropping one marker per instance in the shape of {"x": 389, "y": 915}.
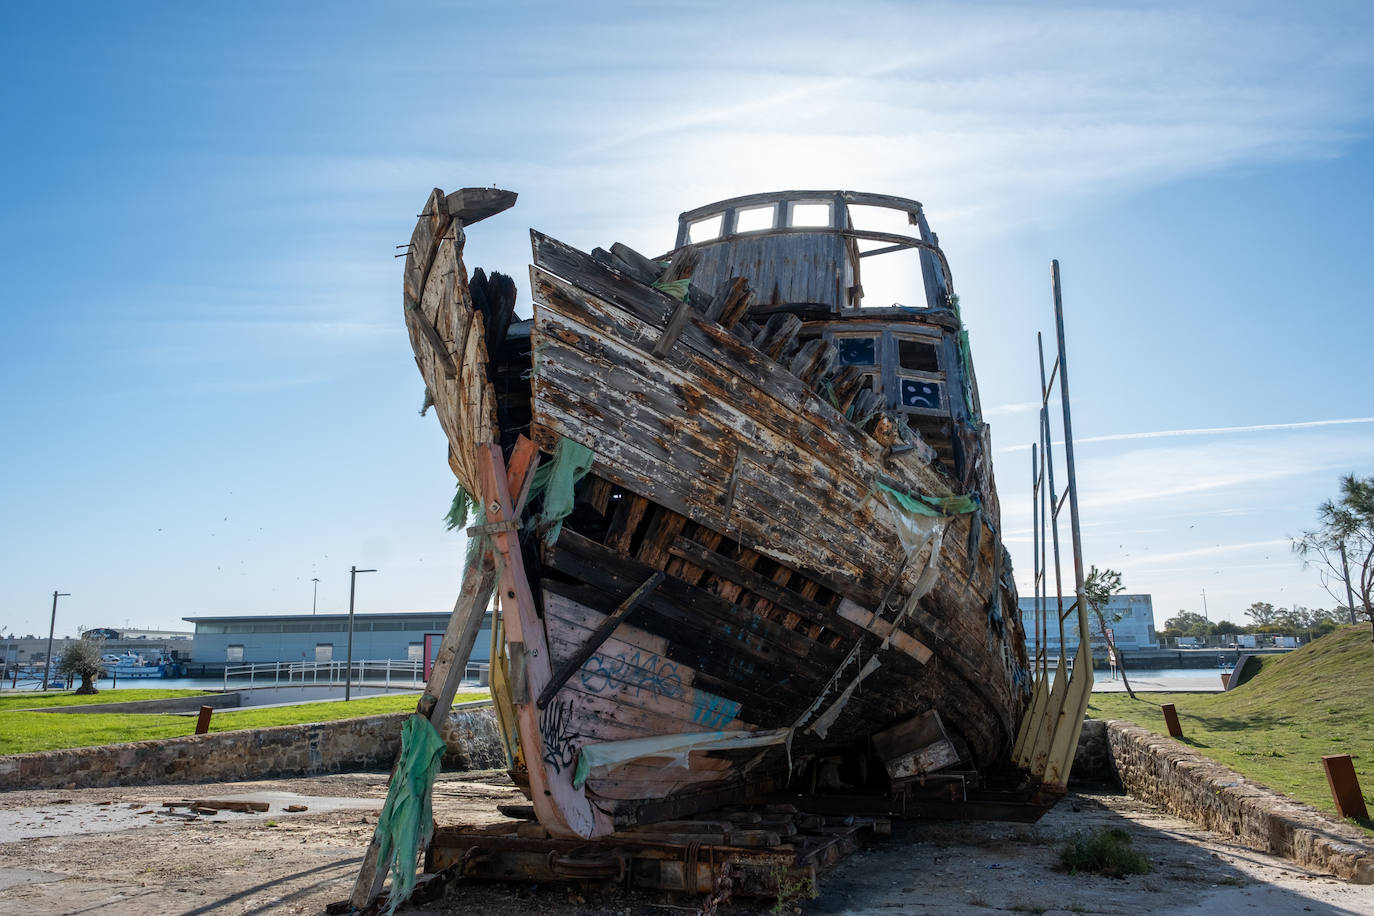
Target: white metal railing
{"x": 385, "y": 673}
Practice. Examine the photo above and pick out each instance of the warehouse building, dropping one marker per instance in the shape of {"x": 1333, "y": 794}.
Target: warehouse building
{"x": 1130, "y": 617}
{"x": 242, "y": 640}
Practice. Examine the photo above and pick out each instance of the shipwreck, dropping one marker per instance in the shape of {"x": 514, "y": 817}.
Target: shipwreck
{"x": 740, "y": 524}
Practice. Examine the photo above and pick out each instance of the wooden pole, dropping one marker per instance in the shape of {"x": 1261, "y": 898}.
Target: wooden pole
{"x": 203, "y": 722}
{"x": 479, "y": 580}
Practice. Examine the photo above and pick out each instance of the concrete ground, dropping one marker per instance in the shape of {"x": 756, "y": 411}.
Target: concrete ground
{"x": 117, "y": 851}
{"x": 1104, "y": 683}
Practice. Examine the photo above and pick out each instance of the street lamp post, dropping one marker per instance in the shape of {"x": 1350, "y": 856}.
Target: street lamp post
{"x": 315, "y": 596}
{"x": 348, "y": 669}
{"x": 52, "y": 625}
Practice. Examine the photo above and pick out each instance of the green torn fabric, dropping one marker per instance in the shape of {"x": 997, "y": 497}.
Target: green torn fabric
{"x": 407, "y": 818}
{"x": 460, "y": 509}
{"x": 675, "y": 288}
{"x": 932, "y": 506}
{"x": 555, "y": 480}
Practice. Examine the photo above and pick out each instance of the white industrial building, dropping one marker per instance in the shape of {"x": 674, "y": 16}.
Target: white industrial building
{"x": 1130, "y": 617}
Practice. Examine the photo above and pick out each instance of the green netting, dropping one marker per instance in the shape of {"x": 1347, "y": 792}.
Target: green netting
{"x": 555, "y": 480}
{"x": 932, "y": 506}
{"x": 407, "y": 818}
{"x": 965, "y": 361}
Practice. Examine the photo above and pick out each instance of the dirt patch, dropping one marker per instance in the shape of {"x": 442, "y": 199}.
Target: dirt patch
{"x": 283, "y": 863}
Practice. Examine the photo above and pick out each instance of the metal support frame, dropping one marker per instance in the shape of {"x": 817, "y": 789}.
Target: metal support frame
{"x": 1048, "y": 736}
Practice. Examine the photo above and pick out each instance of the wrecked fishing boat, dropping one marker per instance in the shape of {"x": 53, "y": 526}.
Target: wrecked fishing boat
{"x": 741, "y": 525}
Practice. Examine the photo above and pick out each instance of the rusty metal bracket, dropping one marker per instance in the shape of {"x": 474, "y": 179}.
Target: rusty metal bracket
{"x": 509, "y": 524}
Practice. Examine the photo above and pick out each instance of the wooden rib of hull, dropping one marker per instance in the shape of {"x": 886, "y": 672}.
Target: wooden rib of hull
{"x": 718, "y": 467}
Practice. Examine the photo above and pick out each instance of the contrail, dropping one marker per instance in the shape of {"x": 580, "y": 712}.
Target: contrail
{"x": 1212, "y": 431}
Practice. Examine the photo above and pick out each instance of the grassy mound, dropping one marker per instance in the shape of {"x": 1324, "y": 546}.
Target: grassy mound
{"x": 22, "y": 732}
{"x": 1276, "y": 727}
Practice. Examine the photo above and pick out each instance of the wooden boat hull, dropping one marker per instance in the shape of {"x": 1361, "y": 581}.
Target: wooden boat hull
{"x": 736, "y": 597}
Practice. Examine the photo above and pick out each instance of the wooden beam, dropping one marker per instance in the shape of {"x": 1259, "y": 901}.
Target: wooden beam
{"x": 479, "y": 578}
{"x": 764, "y": 587}
{"x": 597, "y": 637}
{"x": 672, "y": 329}
{"x": 436, "y": 342}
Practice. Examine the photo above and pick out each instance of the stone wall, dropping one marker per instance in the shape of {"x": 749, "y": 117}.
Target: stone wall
{"x": 1168, "y": 775}
{"x": 368, "y": 743}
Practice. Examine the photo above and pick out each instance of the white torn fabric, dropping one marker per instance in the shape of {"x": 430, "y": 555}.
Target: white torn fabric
{"x": 918, "y": 534}
{"x": 827, "y": 718}
{"x": 597, "y": 759}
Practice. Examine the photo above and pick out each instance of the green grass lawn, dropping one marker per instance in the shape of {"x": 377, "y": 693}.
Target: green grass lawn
{"x": 22, "y": 732}
{"x": 1276, "y": 728}
{"x": 24, "y": 700}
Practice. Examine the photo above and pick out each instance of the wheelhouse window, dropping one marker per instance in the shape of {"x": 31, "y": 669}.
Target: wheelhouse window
{"x": 857, "y": 351}
{"x": 810, "y": 215}
{"x": 919, "y": 394}
{"x": 704, "y": 230}
{"x": 756, "y": 219}
{"x": 918, "y": 355}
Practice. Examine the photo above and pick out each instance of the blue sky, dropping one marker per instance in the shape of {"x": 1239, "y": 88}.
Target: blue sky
{"x": 210, "y": 398}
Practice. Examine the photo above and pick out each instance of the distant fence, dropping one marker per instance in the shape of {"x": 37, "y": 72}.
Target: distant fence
{"x": 386, "y": 673}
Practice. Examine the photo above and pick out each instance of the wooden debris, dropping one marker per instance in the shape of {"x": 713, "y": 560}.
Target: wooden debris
{"x": 212, "y": 805}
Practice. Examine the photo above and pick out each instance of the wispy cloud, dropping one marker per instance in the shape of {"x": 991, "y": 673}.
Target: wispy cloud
{"x": 1002, "y": 410}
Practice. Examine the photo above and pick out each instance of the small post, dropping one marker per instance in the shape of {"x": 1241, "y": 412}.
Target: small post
{"x": 1345, "y": 786}
{"x": 1171, "y": 720}
{"x": 203, "y": 722}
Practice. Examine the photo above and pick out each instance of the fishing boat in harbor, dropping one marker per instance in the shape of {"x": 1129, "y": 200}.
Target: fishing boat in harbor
{"x": 741, "y": 523}
{"x": 135, "y": 665}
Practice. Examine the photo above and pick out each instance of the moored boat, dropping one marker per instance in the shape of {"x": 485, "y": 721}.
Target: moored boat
{"x": 743, "y": 527}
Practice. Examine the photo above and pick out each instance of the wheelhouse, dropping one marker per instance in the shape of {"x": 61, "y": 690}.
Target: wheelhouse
{"x": 806, "y": 253}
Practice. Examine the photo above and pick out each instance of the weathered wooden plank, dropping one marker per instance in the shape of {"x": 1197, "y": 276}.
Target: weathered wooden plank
{"x": 722, "y": 636}
{"x": 710, "y": 664}
{"x": 803, "y": 422}
{"x": 629, "y": 512}
{"x": 676, "y": 417}
{"x": 597, "y": 637}
{"x": 759, "y": 585}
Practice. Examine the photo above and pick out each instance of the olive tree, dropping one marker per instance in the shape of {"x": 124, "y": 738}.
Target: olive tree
{"x": 81, "y": 659}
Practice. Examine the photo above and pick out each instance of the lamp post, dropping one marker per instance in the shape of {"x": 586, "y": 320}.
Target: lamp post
{"x": 315, "y": 596}
{"x": 348, "y": 668}
{"x": 52, "y": 625}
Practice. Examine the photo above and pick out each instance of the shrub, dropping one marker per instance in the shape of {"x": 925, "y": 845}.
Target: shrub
{"x": 1104, "y": 852}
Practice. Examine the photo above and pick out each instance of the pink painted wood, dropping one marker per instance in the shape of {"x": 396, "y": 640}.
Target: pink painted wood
{"x": 565, "y": 811}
